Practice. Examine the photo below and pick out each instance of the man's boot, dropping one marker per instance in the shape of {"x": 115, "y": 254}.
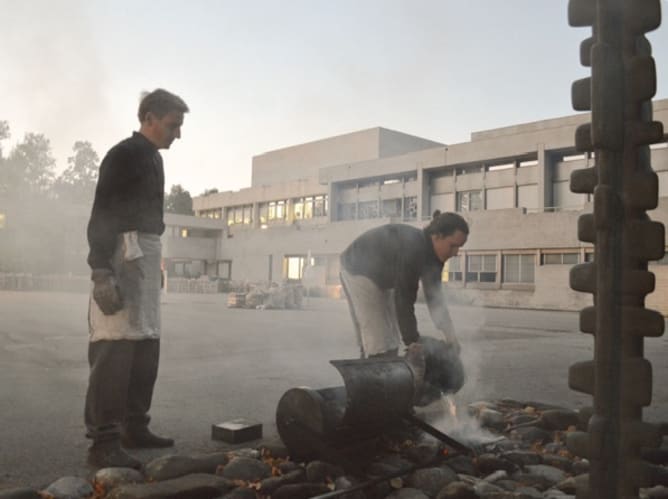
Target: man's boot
{"x": 108, "y": 454}
{"x": 144, "y": 439}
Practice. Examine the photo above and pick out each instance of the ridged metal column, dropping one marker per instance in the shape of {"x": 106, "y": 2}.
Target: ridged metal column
{"x": 618, "y": 94}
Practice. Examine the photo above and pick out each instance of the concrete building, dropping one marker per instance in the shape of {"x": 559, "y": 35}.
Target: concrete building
{"x": 307, "y": 202}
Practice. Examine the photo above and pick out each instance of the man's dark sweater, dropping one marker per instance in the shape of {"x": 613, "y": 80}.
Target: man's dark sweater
{"x": 398, "y": 256}
{"x": 129, "y": 196}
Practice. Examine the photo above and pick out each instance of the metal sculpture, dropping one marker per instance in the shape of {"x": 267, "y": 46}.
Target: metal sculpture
{"x": 618, "y": 94}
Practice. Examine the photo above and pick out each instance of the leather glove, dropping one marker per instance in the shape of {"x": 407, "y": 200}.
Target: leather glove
{"x": 106, "y": 292}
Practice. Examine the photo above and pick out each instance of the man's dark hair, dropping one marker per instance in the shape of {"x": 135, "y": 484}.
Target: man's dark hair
{"x": 445, "y": 224}
{"x": 160, "y": 102}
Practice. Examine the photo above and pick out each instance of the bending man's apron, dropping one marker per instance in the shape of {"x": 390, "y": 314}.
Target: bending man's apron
{"x": 136, "y": 266}
{"x": 374, "y": 315}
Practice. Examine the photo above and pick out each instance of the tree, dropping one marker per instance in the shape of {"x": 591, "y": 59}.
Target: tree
{"x": 77, "y": 182}
{"x": 4, "y": 134}
{"x": 29, "y": 169}
{"x": 210, "y": 191}
{"x": 179, "y": 201}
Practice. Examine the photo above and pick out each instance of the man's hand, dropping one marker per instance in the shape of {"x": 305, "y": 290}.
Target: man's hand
{"x": 451, "y": 340}
{"x": 106, "y": 292}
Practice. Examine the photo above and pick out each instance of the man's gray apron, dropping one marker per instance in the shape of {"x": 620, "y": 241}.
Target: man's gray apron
{"x": 136, "y": 265}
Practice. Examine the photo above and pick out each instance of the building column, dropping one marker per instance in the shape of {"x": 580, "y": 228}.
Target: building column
{"x": 423, "y": 194}
{"x": 331, "y": 202}
{"x": 255, "y": 214}
{"x": 545, "y": 174}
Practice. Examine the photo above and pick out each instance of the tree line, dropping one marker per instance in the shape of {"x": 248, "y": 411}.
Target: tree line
{"x": 29, "y": 171}
{"x": 43, "y": 214}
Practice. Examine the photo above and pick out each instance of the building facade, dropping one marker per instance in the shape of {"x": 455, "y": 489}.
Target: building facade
{"x": 306, "y": 203}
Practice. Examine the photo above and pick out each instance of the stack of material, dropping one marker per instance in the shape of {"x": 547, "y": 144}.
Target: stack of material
{"x": 268, "y": 296}
{"x": 236, "y": 300}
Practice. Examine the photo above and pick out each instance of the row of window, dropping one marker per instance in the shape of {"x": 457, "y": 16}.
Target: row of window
{"x": 405, "y": 208}
{"x": 302, "y": 209}
{"x": 516, "y": 268}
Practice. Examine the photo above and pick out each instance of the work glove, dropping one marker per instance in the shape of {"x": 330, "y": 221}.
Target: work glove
{"x": 106, "y": 292}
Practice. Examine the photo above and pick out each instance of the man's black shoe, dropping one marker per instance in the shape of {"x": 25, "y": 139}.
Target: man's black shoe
{"x": 145, "y": 439}
{"x": 110, "y": 455}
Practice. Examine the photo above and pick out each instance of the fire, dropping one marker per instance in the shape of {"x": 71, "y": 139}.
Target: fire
{"x": 452, "y": 407}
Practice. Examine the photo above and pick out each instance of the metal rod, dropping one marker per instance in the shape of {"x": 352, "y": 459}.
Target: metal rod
{"x": 368, "y": 483}
{"x": 414, "y": 420}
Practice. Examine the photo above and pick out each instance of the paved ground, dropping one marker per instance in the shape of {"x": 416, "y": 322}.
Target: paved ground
{"x": 219, "y": 363}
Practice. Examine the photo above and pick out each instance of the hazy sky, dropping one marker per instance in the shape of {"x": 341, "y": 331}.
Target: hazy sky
{"x": 260, "y": 75}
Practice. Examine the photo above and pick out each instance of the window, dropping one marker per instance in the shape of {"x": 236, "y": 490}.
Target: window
{"x": 276, "y": 210}
{"x": 570, "y": 258}
{"x": 518, "y": 268}
{"x": 391, "y": 208}
{"x": 264, "y": 213}
{"x": 298, "y": 208}
{"x": 240, "y": 214}
{"x": 2, "y": 220}
{"x": 481, "y": 268}
{"x": 347, "y": 211}
{"x": 184, "y": 232}
{"x": 225, "y": 269}
{"x": 453, "y": 269}
{"x": 410, "y": 208}
{"x": 589, "y": 256}
{"x": 505, "y": 166}
{"x": 320, "y": 205}
{"x": 293, "y": 267}
{"x": 469, "y": 201}
{"x": 248, "y": 214}
{"x": 368, "y": 209}
{"x": 308, "y": 207}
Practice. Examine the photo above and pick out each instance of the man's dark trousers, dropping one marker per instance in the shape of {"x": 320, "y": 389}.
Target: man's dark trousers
{"x": 120, "y": 387}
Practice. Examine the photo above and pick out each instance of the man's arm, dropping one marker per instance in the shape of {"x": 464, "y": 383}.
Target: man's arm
{"x": 438, "y": 308}
{"x": 112, "y": 196}
{"x": 405, "y": 294}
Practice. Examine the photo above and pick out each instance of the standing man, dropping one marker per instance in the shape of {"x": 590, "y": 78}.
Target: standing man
{"x": 380, "y": 274}
{"x": 124, "y": 311}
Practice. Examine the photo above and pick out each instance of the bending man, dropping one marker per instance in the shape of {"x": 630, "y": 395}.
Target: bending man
{"x": 380, "y": 274}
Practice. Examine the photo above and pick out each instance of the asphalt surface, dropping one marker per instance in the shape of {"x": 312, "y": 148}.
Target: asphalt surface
{"x": 219, "y": 364}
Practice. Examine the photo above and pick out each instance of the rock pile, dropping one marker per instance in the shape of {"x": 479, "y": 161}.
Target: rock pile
{"x": 522, "y": 455}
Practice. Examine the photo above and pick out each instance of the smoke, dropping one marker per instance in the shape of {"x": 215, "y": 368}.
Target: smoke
{"x": 450, "y": 413}
{"x": 53, "y": 71}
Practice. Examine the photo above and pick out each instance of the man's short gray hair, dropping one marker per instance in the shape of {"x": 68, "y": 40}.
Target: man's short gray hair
{"x": 160, "y": 102}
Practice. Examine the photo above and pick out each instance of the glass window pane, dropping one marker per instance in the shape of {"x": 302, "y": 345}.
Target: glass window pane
{"x": 527, "y": 265}
{"x": 298, "y": 207}
{"x": 489, "y": 263}
{"x": 511, "y": 268}
{"x": 552, "y": 258}
{"x": 474, "y": 263}
{"x": 571, "y": 258}
{"x": 308, "y": 208}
